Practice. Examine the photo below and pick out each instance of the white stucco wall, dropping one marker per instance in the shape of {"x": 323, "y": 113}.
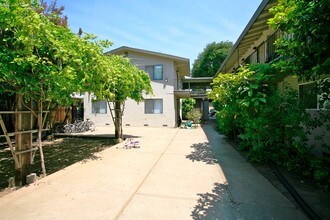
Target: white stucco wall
{"x": 98, "y": 119}
{"x": 134, "y": 114}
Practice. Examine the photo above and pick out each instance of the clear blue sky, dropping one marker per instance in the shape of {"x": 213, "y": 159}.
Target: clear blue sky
{"x": 177, "y": 27}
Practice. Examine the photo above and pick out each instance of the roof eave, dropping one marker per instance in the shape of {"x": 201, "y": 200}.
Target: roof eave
{"x": 123, "y": 48}
{"x": 255, "y": 16}
{"x": 180, "y": 60}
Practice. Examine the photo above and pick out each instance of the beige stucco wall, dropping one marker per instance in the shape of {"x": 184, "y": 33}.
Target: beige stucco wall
{"x": 169, "y": 82}
{"x": 98, "y": 119}
{"x": 134, "y": 112}
{"x": 320, "y": 131}
{"x": 292, "y": 81}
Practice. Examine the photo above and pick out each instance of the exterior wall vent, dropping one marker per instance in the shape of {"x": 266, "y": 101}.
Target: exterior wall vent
{"x": 128, "y": 124}
{"x": 164, "y": 125}
{"x": 145, "y": 125}
{"x": 107, "y": 124}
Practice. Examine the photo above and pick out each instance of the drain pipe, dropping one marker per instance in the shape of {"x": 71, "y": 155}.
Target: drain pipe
{"x": 301, "y": 202}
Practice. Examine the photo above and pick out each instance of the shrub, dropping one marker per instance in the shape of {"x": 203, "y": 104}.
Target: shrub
{"x": 273, "y": 127}
{"x": 227, "y": 121}
{"x": 187, "y": 105}
{"x": 194, "y": 116}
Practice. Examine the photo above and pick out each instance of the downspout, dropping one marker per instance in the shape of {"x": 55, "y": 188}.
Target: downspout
{"x": 177, "y": 80}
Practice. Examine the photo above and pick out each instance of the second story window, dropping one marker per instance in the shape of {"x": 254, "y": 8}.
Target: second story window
{"x": 155, "y": 72}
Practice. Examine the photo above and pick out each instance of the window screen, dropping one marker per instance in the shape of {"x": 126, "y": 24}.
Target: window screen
{"x": 153, "y": 106}
{"x": 99, "y": 107}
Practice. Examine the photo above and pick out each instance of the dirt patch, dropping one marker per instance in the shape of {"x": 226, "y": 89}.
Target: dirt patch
{"x": 58, "y": 154}
{"x": 6, "y": 191}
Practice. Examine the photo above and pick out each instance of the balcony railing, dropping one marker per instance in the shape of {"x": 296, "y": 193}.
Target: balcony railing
{"x": 265, "y": 52}
{"x": 271, "y": 46}
{"x": 196, "y": 92}
{"x": 195, "y": 87}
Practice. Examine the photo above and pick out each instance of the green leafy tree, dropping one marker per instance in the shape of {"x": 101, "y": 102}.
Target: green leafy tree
{"x": 127, "y": 81}
{"x": 43, "y": 62}
{"x": 305, "y": 46}
{"x": 187, "y": 105}
{"x": 209, "y": 61}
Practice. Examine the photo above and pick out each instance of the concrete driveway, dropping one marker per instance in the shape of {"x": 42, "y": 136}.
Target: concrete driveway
{"x": 176, "y": 174}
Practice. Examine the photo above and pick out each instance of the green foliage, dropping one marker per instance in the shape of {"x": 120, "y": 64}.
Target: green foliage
{"x": 125, "y": 81}
{"x": 237, "y": 96}
{"x": 324, "y": 91}
{"x": 227, "y": 120}
{"x": 194, "y": 115}
{"x": 47, "y": 62}
{"x": 39, "y": 60}
{"x": 209, "y": 61}
{"x": 305, "y": 45}
{"x": 277, "y": 133}
{"x": 187, "y": 105}
{"x": 270, "y": 123}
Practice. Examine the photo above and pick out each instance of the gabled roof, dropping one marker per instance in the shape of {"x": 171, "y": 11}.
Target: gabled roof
{"x": 183, "y": 64}
{"x": 250, "y": 34}
{"x": 125, "y": 48}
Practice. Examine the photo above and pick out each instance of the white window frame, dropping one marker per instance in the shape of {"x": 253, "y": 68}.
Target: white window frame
{"x": 318, "y": 96}
{"x": 152, "y": 110}
{"x": 96, "y": 107}
{"x": 152, "y": 73}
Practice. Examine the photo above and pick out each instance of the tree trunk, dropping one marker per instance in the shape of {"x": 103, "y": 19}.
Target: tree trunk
{"x": 23, "y": 142}
{"x": 40, "y": 127}
{"x": 118, "y": 121}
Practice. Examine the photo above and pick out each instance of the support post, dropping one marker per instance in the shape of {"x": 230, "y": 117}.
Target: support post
{"x": 23, "y": 143}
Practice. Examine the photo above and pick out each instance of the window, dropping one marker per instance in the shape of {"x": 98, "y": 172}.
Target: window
{"x": 315, "y": 95}
{"x": 153, "y": 106}
{"x": 324, "y": 93}
{"x": 308, "y": 95}
{"x": 99, "y": 107}
{"x": 155, "y": 72}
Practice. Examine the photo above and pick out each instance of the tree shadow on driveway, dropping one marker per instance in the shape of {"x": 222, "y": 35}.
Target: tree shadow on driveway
{"x": 202, "y": 153}
{"x": 217, "y": 204}
{"x": 214, "y": 205}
